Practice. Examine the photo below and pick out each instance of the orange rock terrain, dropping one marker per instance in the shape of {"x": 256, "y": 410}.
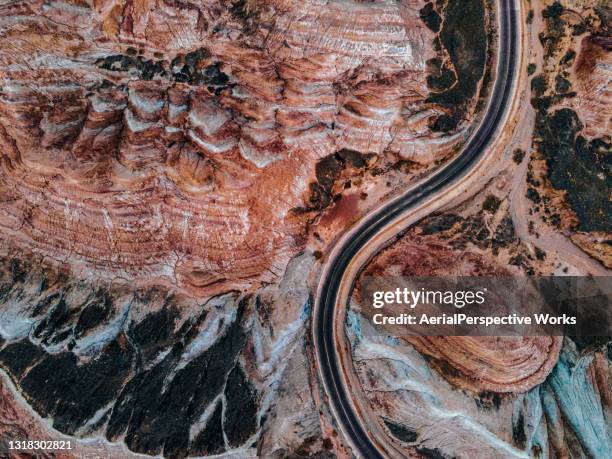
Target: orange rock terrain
{"x": 172, "y": 140}
{"x": 168, "y": 170}
{"x": 509, "y": 396}
{"x": 504, "y": 364}
{"x": 592, "y": 74}
{"x": 544, "y": 212}
{"x": 171, "y": 173}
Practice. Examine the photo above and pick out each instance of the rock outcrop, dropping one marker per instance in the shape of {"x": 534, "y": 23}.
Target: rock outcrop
{"x": 171, "y": 140}
{"x": 163, "y": 164}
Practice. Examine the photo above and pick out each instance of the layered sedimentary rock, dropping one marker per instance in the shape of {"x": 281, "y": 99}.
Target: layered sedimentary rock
{"x": 173, "y": 139}
{"x": 156, "y": 371}
{"x": 546, "y": 212}
{"x": 161, "y": 165}
{"x": 593, "y": 72}
{"x": 479, "y": 396}
{"x": 428, "y": 416}
{"x": 572, "y": 97}
{"x": 438, "y": 248}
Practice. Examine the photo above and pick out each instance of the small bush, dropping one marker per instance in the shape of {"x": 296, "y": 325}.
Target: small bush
{"x": 491, "y": 204}
{"x": 518, "y": 156}
{"x": 531, "y": 68}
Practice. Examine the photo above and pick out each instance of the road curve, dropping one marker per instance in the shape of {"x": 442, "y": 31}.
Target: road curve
{"x": 326, "y": 350}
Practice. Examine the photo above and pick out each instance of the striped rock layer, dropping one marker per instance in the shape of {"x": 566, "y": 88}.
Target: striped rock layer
{"x": 173, "y": 139}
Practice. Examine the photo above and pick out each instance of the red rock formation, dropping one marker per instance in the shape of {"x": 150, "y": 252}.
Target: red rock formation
{"x": 477, "y": 363}
{"x": 594, "y": 94}
{"x": 170, "y": 140}
{"x": 492, "y": 363}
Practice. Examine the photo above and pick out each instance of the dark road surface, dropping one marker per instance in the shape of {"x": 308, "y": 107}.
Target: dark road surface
{"x": 323, "y": 326}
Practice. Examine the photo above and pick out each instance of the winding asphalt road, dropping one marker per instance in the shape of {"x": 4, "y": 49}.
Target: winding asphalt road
{"x": 323, "y": 323}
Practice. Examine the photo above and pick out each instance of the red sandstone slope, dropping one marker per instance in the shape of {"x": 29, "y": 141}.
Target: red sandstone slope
{"x": 170, "y": 140}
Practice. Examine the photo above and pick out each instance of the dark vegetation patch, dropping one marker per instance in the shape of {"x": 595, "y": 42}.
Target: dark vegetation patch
{"x": 440, "y": 76}
{"x": 488, "y": 75}
{"x": 491, "y": 203}
{"x": 464, "y": 37}
{"x": 555, "y": 27}
{"x": 562, "y": 84}
{"x": 19, "y": 271}
{"x": 533, "y": 195}
{"x": 247, "y": 13}
{"x": 156, "y": 420}
{"x": 463, "y": 34}
{"x": 47, "y": 330}
{"x": 445, "y": 123}
{"x": 504, "y": 234}
{"x": 539, "y": 85}
{"x": 568, "y": 58}
{"x": 488, "y": 400}
{"x": 210, "y": 440}
{"x": 431, "y": 453}
{"x": 580, "y": 167}
{"x": 133, "y": 381}
{"x": 439, "y": 223}
{"x": 57, "y": 386}
{"x": 400, "y": 431}
{"x": 154, "y": 331}
{"x": 518, "y": 431}
{"x": 310, "y": 448}
{"x": 94, "y": 314}
{"x": 518, "y": 155}
{"x": 328, "y": 171}
{"x": 521, "y": 261}
{"x": 540, "y": 254}
{"x": 137, "y": 66}
{"x": 239, "y": 9}
{"x": 194, "y": 68}
{"x": 241, "y": 408}
{"x": 431, "y": 17}
{"x": 474, "y": 230}
{"x": 531, "y": 68}
{"x": 17, "y": 357}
